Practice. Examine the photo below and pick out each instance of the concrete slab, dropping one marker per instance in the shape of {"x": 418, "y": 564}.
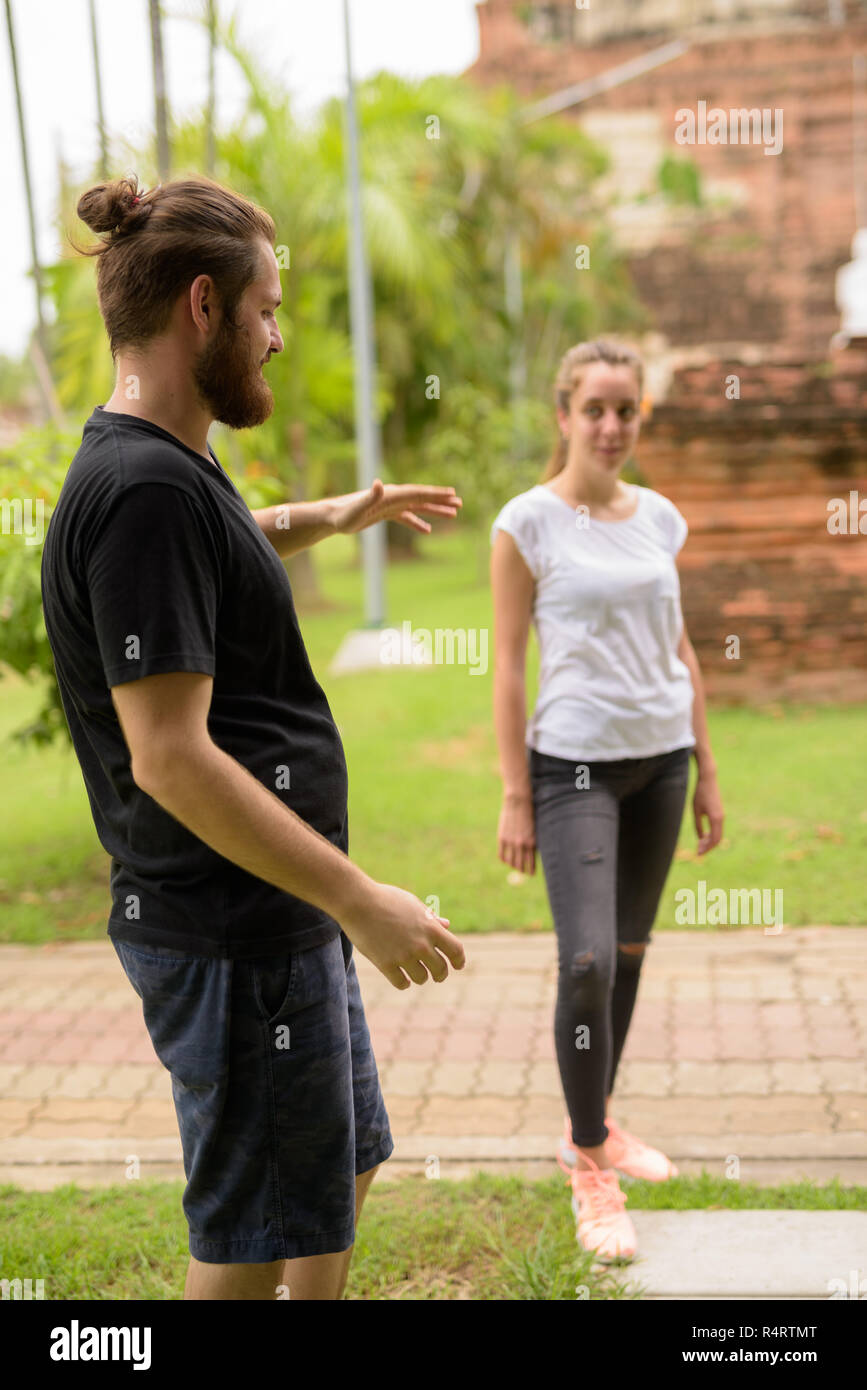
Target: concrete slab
{"x": 362, "y": 650}
{"x": 750, "y": 1254}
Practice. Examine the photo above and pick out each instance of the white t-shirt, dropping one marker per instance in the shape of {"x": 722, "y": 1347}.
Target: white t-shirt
{"x": 608, "y": 621}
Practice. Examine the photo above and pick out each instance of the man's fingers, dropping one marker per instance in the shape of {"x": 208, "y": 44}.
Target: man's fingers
{"x": 436, "y": 965}
{"x": 449, "y": 945}
{"x": 409, "y": 518}
{"x": 418, "y": 971}
{"x": 427, "y": 492}
{"x": 396, "y": 977}
{"x": 415, "y": 970}
{"x": 414, "y": 522}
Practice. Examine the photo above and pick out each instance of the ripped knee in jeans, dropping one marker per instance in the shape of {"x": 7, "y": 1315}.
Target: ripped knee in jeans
{"x": 632, "y": 954}
{"x": 588, "y": 986}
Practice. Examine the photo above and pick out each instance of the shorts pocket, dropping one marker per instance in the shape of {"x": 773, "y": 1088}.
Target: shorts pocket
{"x": 274, "y": 979}
{"x": 152, "y": 970}
{"x": 185, "y": 1007}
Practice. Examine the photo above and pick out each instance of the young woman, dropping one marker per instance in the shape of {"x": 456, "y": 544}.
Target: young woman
{"x": 600, "y": 786}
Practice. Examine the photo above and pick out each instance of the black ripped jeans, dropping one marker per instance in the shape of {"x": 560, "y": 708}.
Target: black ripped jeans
{"x": 606, "y": 834}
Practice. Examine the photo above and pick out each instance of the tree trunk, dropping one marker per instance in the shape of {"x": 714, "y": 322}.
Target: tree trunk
{"x": 41, "y": 336}
{"x": 210, "y": 118}
{"x": 160, "y": 100}
{"x": 100, "y": 110}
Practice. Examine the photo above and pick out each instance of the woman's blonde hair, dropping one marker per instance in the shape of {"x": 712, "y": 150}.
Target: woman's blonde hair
{"x": 570, "y": 373}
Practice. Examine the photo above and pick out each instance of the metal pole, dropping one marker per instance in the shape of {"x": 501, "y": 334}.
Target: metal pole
{"x": 366, "y": 425}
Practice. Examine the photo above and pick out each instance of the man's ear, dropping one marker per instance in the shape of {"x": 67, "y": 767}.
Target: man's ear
{"x": 203, "y": 297}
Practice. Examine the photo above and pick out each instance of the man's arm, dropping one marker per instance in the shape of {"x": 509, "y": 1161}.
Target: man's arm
{"x": 174, "y": 760}
{"x": 292, "y": 526}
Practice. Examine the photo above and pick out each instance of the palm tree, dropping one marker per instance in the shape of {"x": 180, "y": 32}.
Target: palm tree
{"x": 438, "y": 213}
{"x": 160, "y": 100}
{"x": 210, "y": 150}
{"x": 100, "y": 113}
{"x": 39, "y": 343}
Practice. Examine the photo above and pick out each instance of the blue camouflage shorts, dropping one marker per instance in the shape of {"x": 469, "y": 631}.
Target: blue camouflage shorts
{"x": 276, "y": 1092}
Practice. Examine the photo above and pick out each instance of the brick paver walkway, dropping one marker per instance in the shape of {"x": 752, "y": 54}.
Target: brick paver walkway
{"x": 742, "y": 1044}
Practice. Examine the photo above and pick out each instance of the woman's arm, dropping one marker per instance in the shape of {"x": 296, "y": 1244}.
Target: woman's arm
{"x": 707, "y": 803}
{"x": 512, "y": 586}
{"x": 703, "y": 754}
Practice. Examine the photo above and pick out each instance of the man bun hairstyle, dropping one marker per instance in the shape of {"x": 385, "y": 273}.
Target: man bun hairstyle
{"x": 112, "y": 207}
{"x": 153, "y": 244}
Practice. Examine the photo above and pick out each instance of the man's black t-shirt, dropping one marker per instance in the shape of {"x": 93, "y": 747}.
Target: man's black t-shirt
{"x": 153, "y": 562}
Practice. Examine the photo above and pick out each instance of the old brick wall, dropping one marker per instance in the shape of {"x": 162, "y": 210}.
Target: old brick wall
{"x": 764, "y": 271}
{"x": 753, "y": 477}
{"x": 745, "y": 291}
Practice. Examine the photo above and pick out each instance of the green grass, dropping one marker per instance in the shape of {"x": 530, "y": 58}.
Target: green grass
{"x": 487, "y": 1237}
{"x": 425, "y": 789}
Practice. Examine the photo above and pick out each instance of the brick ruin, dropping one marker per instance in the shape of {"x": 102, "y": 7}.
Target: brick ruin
{"x": 765, "y": 560}
{"x": 758, "y": 422}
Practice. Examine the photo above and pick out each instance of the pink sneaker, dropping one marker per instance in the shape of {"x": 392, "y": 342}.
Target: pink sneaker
{"x": 635, "y": 1158}
{"x": 629, "y": 1155}
{"x": 602, "y": 1226}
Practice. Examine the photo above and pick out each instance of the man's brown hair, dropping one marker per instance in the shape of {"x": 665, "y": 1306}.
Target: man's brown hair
{"x": 157, "y": 242}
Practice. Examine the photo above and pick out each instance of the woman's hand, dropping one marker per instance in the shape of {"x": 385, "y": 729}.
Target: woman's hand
{"x": 707, "y": 805}
{"x": 516, "y": 833}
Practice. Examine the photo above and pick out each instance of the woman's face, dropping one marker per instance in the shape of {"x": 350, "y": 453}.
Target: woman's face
{"x": 604, "y": 418}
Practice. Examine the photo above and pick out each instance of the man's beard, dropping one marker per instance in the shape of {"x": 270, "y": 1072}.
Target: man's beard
{"x": 230, "y": 384}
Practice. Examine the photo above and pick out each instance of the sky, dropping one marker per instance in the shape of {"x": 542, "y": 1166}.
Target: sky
{"x": 298, "y": 40}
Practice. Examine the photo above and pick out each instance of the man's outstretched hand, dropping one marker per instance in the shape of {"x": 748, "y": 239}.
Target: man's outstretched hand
{"x": 394, "y": 502}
